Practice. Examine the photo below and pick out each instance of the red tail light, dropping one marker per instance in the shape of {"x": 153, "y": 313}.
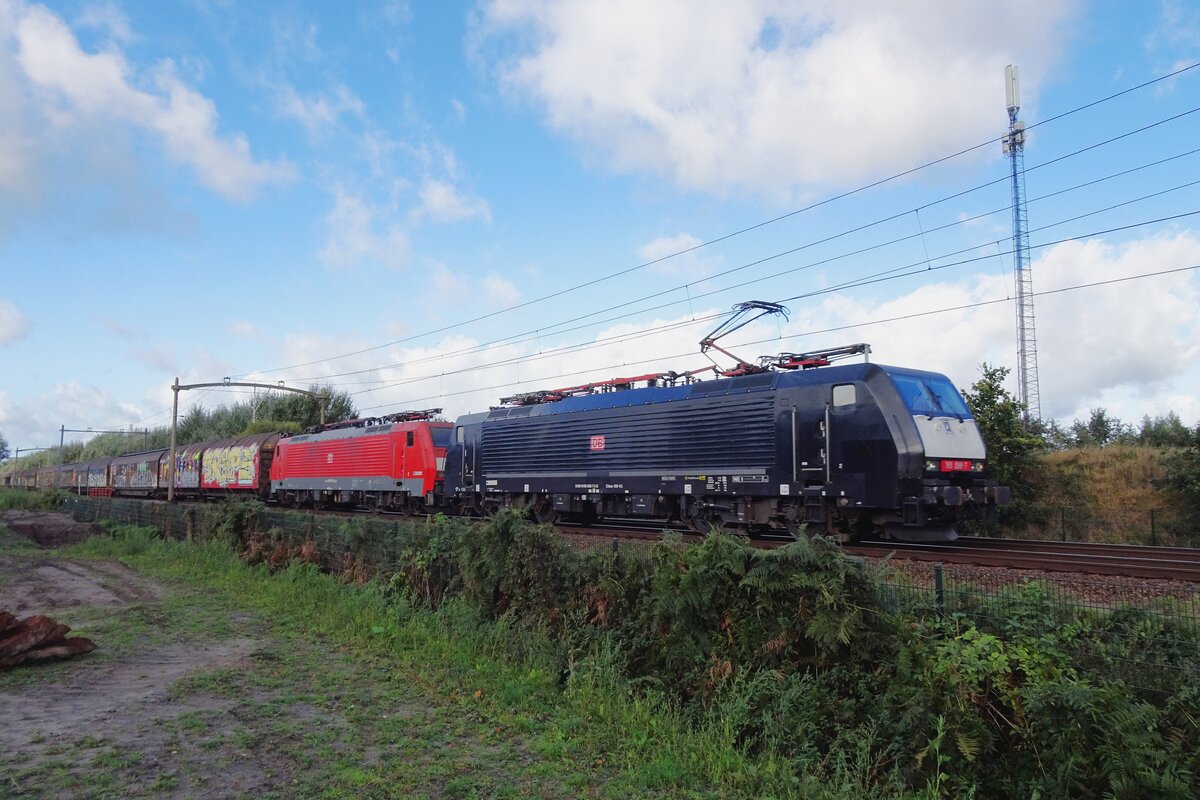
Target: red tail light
{"x": 960, "y": 465}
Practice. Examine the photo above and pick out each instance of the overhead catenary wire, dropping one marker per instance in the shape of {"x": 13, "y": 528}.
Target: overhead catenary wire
{"x": 558, "y": 328}
{"x": 870, "y": 280}
{"x": 587, "y": 346}
{"x": 997, "y": 254}
{"x": 725, "y": 237}
{"x": 891, "y": 274}
{"x": 833, "y": 329}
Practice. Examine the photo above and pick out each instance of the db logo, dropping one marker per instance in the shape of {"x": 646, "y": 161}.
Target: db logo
{"x": 597, "y": 442}
{"x": 329, "y": 459}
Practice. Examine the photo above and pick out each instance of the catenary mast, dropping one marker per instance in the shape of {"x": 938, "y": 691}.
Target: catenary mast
{"x": 1014, "y": 148}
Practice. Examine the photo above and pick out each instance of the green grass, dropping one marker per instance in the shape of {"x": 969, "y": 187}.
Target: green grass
{"x": 350, "y": 693}
{"x": 28, "y": 500}
{"x": 391, "y": 702}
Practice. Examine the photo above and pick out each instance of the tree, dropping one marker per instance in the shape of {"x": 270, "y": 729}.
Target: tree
{"x": 1012, "y": 448}
{"x": 1165, "y": 431}
{"x": 3, "y": 448}
{"x": 1100, "y": 430}
{"x": 305, "y": 411}
{"x": 1181, "y": 475}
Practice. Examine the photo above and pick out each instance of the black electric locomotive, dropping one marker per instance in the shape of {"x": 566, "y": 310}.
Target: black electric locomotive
{"x": 848, "y": 450}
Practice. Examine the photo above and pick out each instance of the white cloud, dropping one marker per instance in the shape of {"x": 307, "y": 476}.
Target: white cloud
{"x": 1177, "y": 32}
{"x": 446, "y": 283}
{"x": 354, "y": 238}
{"x": 36, "y": 420}
{"x": 1093, "y": 344}
{"x": 692, "y": 266}
{"x": 76, "y": 88}
{"x": 316, "y": 113}
{"x": 500, "y": 291}
{"x": 243, "y": 329}
{"x": 110, "y": 19}
{"x": 18, "y": 144}
{"x": 1135, "y": 334}
{"x": 770, "y": 96}
{"x": 459, "y": 375}
{"x": 144, "y": 348}
{"x": 442, "y": 202}
{"x": 12, "y": 322}
{"x": 492, "y": 291}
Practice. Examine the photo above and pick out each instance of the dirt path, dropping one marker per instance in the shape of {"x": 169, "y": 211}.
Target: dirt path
{"x": 112, "y": 723}
{"x": 190, "y": 696}
{"x": 31, "y": 585}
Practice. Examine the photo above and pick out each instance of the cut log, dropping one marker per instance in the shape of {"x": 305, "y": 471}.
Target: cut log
{"x": 64, "y": 649}
{"x": 37, "y": 638}
{"x": 32, "y": 632}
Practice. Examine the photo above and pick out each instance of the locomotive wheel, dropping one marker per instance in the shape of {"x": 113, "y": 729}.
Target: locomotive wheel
{"x": 704, "y": 524}
{"x": 545, "y": 512}
{"x": 587, "y": 516}
{"x": 795, "y": 527}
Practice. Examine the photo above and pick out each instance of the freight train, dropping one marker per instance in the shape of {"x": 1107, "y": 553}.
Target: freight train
{"x": 848, "y": 450}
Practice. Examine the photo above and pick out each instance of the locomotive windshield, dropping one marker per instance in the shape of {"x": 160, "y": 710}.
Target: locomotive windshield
{"x": 933, "y": 395}
{"x": 441, "y": 435}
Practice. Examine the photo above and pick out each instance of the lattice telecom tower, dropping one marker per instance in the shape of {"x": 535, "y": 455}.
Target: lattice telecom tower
{"x": 1014, "y": 148}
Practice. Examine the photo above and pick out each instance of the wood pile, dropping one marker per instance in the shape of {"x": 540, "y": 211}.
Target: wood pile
{"x": 37, "y": 638}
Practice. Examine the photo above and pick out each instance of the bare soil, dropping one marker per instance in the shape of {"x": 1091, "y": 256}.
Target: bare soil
{"x": 32, "y": 585}
{"x": 48, "y": 529}
{"x": 123, "y": 706}
{"x": 188, "y": 696}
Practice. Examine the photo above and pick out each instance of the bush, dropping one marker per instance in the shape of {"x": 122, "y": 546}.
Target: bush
{"x": 810, "y": 670}
{"x": 26, "y": 500}
{"x": 234, "y": 521}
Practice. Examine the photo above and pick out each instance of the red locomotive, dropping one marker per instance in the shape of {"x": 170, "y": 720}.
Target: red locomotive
{"x": 388, "y": 463}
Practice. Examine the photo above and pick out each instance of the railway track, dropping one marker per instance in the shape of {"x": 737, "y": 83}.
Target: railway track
{"x": 1135, "y": 561}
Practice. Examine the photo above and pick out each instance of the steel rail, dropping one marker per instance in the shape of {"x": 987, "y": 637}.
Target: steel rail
{"x": 1060, "y": 558}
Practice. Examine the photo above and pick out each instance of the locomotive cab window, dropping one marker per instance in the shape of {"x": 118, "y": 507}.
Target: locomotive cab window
{"x": 931, "y": 395}
{"x": 845, "y": 395}
{"x": 458, "y": 434}
{"x": 408, "y": 439}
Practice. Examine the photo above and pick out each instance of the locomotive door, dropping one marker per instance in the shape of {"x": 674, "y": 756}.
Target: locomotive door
{"x": 467, "y": 447}
{"x": 839, "y": 431}
{"x": 406, "y": 456}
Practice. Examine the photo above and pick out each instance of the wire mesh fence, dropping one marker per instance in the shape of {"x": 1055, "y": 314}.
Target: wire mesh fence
{"x": 1142, "y": 526}
{"x": 1148, "y": 635}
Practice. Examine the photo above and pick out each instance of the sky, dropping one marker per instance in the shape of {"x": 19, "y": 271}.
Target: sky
{"x": 437, "y": 204}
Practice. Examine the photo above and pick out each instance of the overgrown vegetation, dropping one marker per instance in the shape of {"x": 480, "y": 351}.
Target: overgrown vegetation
{"x": 30, "y": 501}
{"x": 726, "y": 670}
{"x": 286, "y": 412}
{"x": 1012, "y": 448}
{"x": 1102, "y": 479}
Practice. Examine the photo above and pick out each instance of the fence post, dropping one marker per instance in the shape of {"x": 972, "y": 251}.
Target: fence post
{"x": 939, "y": 590}
{"x": 1153, "y": 532}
